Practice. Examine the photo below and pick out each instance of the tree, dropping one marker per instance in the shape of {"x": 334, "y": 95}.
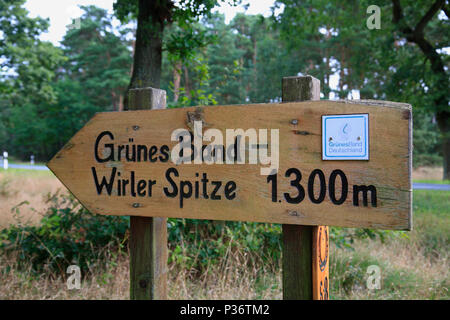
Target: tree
{"x": 395, "y": 63}
{"x": 242, "y": 62}
{"x": 28, "y": 70}
{"x": 99, "y": 58}
{"x": 184, "y": 55}
{"x": 299, "y": 25}
{"x": 225, "y": 61}
{"x": 265, "y": 59}
{"x": 27, "y": 64}
{"x": 429, "y": 45}
{"x": 331, "y": 37}
{"x": 152, "y": 17}
{"x": 48, "y": 93}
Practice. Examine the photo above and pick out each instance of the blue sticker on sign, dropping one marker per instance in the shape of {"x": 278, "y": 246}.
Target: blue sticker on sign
{"x": 345, "y": 137}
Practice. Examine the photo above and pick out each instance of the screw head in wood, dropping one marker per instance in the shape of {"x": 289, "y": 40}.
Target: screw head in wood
{"x": 143, "y": 284}
{"x": 136, "y": 205}
{"x": 294, "y": 121}
{"x": 135, "y": 128}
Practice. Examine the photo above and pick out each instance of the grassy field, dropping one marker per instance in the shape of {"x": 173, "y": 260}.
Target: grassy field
{"x": 26, "y": 187}
{"x": 433, "y": 181}
{"x": 427, "y": 173}
{"x": 413, "y": 265}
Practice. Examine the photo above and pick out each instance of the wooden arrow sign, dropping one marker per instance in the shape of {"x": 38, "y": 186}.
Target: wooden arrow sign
{"x": 308, "y": 163}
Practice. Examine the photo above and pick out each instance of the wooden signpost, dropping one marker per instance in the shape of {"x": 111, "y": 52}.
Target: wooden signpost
{"x": 261, "y": 162}
{"x": 148, "y": 235}
{"x": 303, "y": 280}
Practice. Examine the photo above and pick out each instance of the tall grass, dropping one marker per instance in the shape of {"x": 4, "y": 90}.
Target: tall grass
{"x": 243, "y": 261}
{"x": 29, "y": 188}
{"x": 414, "y": 265}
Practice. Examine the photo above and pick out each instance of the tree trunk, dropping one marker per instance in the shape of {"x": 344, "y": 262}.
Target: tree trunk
{"x": 342, "y": 76}
{"x": 443, "y": 121}
{"x": 114, "y": 101}
{"x": 176, "y": 80}
{"x": 440, "y": 89}
{"x": 187, "y": 83}
{"x": 120, "y": 103}
{"x": 255, "y": 70}
{"x": 147, "y": 58}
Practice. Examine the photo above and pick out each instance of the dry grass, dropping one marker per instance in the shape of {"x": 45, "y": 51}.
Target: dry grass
{"x": 112, "y": 283}
{"x": 234, "y": 282}
{"x": 233, "y": 279}
{"x": 409, "y": 271}
{"x": 20, "y": 186}
{"x": 422, "y": 278}
{"x": 428, "y": 173}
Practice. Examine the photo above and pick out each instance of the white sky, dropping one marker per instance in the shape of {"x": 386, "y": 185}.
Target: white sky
{"x": 61, "y": 12}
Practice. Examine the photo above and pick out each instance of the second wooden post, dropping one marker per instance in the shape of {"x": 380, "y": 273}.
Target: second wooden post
{"x": 305, "y": 248}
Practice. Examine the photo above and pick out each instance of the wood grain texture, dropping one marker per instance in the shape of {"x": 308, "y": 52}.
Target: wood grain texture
{"x": 389, "y": 167}
{"x": 295, "y": 89}
{"x": 148, "y": 235}
{"x": 299, "y": 281}
{"x": 297, "y": 262}
{"x": 148, "y": 258}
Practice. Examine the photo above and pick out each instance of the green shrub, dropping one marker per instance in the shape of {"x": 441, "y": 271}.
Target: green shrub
{"x": 195, "y": 244}
{"x": 427, "y": 139}
{"x": 432, "y": 220}
{"x": 68, "y": 234}
{"x": 345, "y": 237}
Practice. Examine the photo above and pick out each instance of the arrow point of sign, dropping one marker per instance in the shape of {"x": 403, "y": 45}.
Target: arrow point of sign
{"x": 67, "y": 163}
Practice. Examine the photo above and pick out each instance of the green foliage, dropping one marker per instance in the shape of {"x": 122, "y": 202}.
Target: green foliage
{"x": 67, "y": 234}
{"x": 182, "y": 12}
{"x": 426, "y": 138}
{"x": 27, "y": 64}
{"x": 349, "y": 278}
{"x": 27, "y": 67}
{"x": 430, "y": 237}
{"x": 331, "y": 37}
{"x": 345, "y": 237}
{"x": 20, "y": 49}
{"x": 184, "y": 47}
{"x": 99, "y": 60}
{"x": 182, "y": 41}
{"x": 349, "y": 274}
{"x": 379, "y": 62}
{"x": 49, "y": 93}
{"x": 242, "y": 63}
{"x": 432, "y": 217}
{"x": 197, "y": 96}
{"x": 196, "y": 244}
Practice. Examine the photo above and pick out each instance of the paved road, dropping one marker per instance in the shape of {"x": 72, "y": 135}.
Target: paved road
{"x": 26, "y": 166}
{"x": 431, "y": 186}
{"x": 416, "y": 186}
